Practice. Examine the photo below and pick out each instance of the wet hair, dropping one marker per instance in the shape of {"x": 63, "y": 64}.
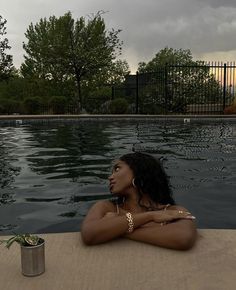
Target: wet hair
{"x": 150, "y": 178}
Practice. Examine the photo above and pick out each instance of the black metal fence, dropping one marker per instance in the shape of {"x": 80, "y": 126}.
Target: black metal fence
{"x": 206, "y": 88}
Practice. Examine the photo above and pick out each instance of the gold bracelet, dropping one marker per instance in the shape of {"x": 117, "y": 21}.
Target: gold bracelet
{"x": 130, "y": 222}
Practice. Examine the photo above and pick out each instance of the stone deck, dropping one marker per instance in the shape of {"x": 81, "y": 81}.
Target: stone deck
{"x": 126, "y": 265}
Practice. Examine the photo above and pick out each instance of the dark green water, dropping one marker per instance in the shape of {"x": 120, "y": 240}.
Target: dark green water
{"x": 52, "y": 172}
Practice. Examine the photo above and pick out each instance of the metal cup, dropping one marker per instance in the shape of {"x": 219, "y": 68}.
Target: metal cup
{"x": 33, "y": 260}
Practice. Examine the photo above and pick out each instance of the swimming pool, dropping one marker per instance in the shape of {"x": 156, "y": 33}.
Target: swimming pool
{"x": 51, "y": 172}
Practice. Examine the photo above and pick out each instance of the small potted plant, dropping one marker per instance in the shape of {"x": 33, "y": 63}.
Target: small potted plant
{"x": 32, "y": 253}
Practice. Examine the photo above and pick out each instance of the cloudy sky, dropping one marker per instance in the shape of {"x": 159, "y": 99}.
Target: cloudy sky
{"x": 206, "y": 27}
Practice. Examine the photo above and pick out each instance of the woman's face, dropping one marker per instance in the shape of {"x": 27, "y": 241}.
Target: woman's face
{"x": 121, "y": 178}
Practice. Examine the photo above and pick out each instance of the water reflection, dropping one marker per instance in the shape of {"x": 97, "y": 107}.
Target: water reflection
{"x": 70, "y": 152}
{"x": 8, "y": 169}
{"x": 6, "y": 198}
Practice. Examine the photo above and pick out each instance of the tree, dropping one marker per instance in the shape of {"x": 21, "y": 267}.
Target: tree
{"x": 6, "y": 65}
{"x": 98, "y": 88}
{"x": 63, "y": 49}
{"x": 172, "y": 80}
{"x": 116, "y": 73}
{"x": 167, "y": 56}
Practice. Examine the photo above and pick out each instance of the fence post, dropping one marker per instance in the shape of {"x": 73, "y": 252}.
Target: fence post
{"x": 224, "y": 86}
{"x": 112, "y": 92}
{"x": 165, "y": 86}
{"x": 137, "y": 93}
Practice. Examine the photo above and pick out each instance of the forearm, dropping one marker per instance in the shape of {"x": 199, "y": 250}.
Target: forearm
{"x": 179, "y": 235}
{"x": 106, "y": 229}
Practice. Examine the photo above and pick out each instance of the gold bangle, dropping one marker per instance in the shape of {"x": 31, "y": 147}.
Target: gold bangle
{"x": 130, "y": 222}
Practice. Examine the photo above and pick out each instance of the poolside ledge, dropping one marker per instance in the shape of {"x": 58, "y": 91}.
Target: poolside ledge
{"x": 116, "y": 117}
{"x": 126, "y": 265}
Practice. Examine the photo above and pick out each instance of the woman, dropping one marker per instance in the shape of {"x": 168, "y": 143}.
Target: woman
{"x": 144, "y": 210}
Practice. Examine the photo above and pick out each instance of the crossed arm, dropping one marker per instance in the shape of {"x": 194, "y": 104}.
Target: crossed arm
{"x": 102, "y": 224}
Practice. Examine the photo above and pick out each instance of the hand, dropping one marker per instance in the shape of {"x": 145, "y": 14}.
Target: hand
{"x": 165, "y": 216}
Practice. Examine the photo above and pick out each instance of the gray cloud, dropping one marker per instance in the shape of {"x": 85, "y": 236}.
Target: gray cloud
{"x": 204, "y": 26}
{"x": 219, "y": 3}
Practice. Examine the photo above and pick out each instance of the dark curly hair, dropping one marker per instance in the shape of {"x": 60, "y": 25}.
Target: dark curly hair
{"x": 150, "y": 178}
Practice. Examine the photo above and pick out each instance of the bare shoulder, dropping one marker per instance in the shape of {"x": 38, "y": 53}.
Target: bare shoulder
{"x": 99, "y": 209}
{"x": 104, "y": 204}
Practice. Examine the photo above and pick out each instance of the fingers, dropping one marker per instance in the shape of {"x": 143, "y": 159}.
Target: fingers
{"x": 161, "y": 216}
{"x": 186, "y": 215}
{"x": 186, "y": 212}
{"x": 191, "y": 217}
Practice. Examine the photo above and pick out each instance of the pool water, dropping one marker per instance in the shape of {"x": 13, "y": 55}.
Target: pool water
{"x": 52, "y": 172}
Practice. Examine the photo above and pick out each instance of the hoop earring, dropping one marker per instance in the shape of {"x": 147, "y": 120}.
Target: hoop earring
{"x": 123, "y": 200}
{"x": 133, "y": 183}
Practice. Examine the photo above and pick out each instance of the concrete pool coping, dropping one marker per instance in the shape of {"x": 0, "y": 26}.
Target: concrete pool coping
{"x": 120, "y": 116}
{"x": 109, "y": 116}
{"x": 124, "y": 264}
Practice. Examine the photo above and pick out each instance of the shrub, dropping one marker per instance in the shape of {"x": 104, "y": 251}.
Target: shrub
{"x": 230, "y": 109}
{"x": 9, "y": 106}
{"x": 32, "y": 105}
{"x": 95, "y": 99}
{"x": 118, "y": 106}
{"x": 104, "y": 108}
{"x": 58, "y": 104}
